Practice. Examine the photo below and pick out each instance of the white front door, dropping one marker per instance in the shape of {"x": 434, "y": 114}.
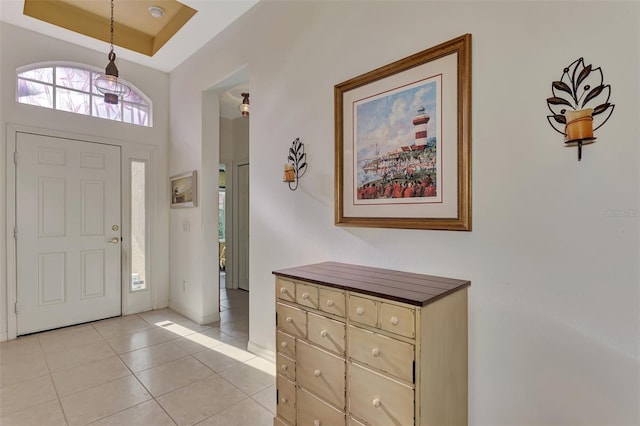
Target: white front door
{"x": 243, "y": 226}
{"x": 68, "y": 232}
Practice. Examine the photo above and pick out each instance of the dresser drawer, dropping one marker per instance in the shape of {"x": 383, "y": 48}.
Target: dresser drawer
{"x": 327, "y": 333}
{"x": 379, "y": 400}
{"x": 277, "y": 421}
{"x": 332, "y": 301}
{"x": 286, "y": 367}
{"x": 322, "y": 373}
{"x": 285, "y": 290}
{"x": 292, "y": 320}
{"x": 286, "y": 399}
{"x": 363, "y": 311}
{"x": 307, "y": 295}
{"x": 384, "y": 353}
{"x": 286, "y": 344}
{"x": 314, "y": 412}
{"x": 398, "y": 319}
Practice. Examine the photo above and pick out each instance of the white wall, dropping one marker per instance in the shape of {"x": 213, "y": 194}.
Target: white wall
{"x": 241, "y": 139}
{"x": 20, "y": 47}
{"x": 234, "y": 140}
{"x": 226, "y": 140}
{"x": 554, "y": 302}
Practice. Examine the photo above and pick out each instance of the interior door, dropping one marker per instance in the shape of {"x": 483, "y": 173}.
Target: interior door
{"x": 68, "y": 232}
{"x": 243, "y": 226}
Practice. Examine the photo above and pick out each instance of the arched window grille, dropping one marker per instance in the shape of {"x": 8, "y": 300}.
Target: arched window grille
{"x": 70, "y": 87}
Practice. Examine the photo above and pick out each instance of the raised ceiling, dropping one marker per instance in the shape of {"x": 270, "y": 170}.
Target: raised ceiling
{"x": 134, "y": 26}
{"x": 210, "y": 18}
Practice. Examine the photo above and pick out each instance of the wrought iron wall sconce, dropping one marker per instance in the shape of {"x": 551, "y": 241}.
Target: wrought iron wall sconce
{"x": 580, "y": 104}
{"x": 296, "y": 164}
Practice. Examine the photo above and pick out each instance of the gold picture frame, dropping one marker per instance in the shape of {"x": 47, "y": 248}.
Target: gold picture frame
{"x": 382, "y": 143}
{"x": 184, "y": 190}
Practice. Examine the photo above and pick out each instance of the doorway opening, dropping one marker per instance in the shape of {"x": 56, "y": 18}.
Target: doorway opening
{"x": 233, "y": 216}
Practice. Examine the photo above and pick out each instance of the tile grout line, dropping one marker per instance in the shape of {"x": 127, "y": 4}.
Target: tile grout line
{"x": 115, "y": 355}
{"x": 221, "y": 411}
{"x": 215, "y": 373}
{"x": 53, "y": 383}
{"x": 152, "y": 396}
{"x": 155, "y": 398}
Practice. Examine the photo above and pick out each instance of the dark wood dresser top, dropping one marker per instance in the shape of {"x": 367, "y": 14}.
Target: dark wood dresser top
{"x": 406, "y": 287}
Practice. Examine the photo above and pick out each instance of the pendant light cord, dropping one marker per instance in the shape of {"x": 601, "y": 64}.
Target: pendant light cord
{"x": 109, "y": 83}
{"x": 111, "y": 39}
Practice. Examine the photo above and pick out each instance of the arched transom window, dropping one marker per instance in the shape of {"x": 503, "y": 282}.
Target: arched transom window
{"x": 70, "y": 87}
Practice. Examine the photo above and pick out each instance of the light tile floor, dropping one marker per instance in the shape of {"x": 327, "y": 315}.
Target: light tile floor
{"x": 154, "y": 368}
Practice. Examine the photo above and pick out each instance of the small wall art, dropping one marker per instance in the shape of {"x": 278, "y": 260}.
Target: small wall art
{"x": 184, "y": 190}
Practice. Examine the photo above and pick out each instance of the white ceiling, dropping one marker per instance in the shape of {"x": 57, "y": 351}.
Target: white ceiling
{"x": 212, "y": 17}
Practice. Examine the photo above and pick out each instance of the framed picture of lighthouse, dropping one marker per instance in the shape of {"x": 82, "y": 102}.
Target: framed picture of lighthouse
{"x": 403, "y": 142}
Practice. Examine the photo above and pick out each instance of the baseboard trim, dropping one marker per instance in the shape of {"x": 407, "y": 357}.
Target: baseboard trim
{"x": 208, "y": 319}
{"x": 183, "y": 311}
{"x": 200, "y": 319}
{"x": 261, "y": 351}
{"x": 4, "y": 336}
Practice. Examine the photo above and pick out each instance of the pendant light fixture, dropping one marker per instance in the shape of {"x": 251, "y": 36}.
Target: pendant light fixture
{"x": 244, "y": 106}
{"x": 109, "y": 83}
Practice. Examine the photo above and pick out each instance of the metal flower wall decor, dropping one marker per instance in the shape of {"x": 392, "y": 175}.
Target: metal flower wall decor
{"x": 296, "y": 164}
{"x": 580, "y": 103}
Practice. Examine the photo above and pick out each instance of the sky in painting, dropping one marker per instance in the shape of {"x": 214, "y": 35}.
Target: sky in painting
{"x": 385, "y": 123}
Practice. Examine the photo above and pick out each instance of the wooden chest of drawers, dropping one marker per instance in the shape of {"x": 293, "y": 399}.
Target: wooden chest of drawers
{"x": 365, "y": 346}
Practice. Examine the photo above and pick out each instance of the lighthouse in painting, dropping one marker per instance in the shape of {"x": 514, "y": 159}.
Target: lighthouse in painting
{"x": 420, "y": 122}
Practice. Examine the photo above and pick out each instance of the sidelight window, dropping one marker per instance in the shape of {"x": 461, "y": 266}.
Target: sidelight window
{"x": 138, "y": 226}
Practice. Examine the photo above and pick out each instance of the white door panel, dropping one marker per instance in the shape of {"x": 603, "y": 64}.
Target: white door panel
{"x": 68, "y": 221}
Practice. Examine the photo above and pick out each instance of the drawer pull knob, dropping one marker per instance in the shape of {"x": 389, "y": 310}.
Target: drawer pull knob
{"x": 305, "y": 296}
{"x": 360, "y": 311}
{"x": 289, "y": 320}
{"x": 316, "y": 423}
{"x": 283, "y": 366}
{"x": 283, "y": 400}
{"x": 330, "y": 303}
{"x": 376, "y": 402}
{"x": 395, "y": 321}
{"x": 317, "y": 373}
{"x": 283, "y": 290}
{"x": 375, "y": 352}
{"x": 324, "y": 333}
{"x": 284, "y": 344}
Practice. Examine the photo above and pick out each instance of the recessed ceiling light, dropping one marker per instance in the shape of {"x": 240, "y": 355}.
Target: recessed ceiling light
{"x": 156, "y": 11}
